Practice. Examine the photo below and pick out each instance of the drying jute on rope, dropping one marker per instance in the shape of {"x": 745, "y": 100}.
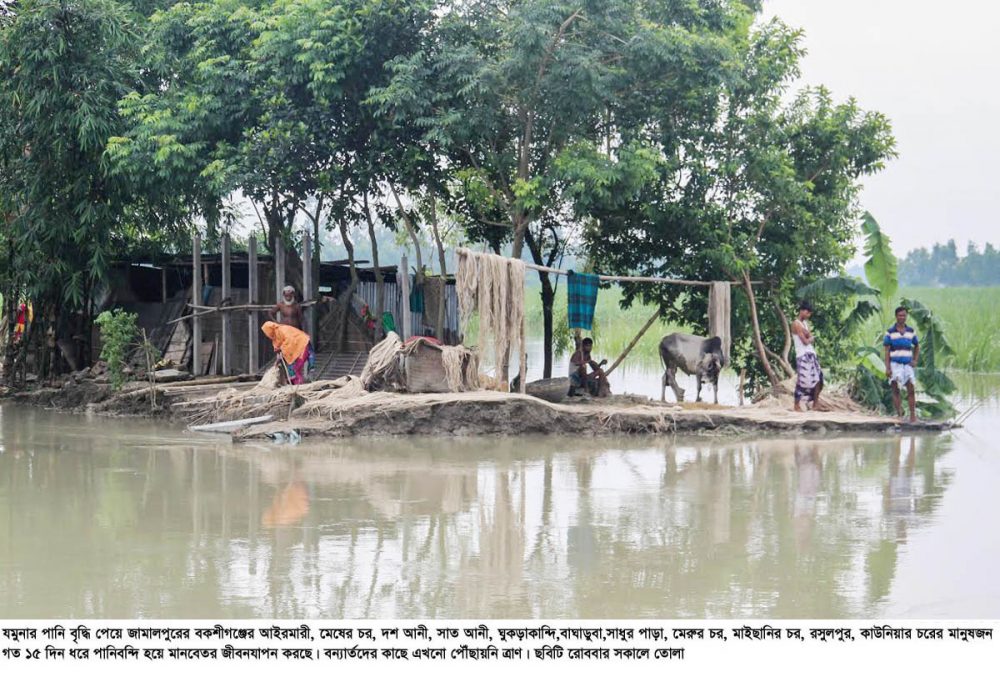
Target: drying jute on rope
{"x": 494, "y": 286}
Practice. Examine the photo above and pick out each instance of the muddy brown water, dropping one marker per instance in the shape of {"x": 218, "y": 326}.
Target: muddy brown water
{"x": 123, "y": 519}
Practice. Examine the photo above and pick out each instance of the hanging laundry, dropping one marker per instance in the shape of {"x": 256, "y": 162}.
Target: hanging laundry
{"x": 581, "y": 290}
{"x": 417, "y": 299}
{"x": 720, "y": 314}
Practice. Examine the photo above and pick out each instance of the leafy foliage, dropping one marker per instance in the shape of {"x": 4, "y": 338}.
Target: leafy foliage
{"x": 63, "y": 67}
{"x": 119, "y": 330}
{"x": 867, "y": 380}
{"x": 880, "y": 266}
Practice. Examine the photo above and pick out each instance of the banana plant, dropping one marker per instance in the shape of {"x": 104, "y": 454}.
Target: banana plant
{"x": 877, "y": 298}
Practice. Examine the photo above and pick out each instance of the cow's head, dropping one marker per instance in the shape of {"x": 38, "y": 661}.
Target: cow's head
{"x": 712, "y": 360}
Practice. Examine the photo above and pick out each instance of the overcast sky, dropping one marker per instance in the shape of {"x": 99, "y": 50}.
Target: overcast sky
{"x": 932, "y": 68}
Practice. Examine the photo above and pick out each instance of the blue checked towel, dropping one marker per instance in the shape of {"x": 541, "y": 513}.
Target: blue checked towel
{"x": 582, "y": 293}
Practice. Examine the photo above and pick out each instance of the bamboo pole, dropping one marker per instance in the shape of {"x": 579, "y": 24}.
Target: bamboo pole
{"x": 196, "y": 299}
{"x": 250, "y": 307}
{"x": 307, "y": 286}
{"x": 253, "y": 342}
{"x": 618, "y": 278}
{"x": 649, "y": 323}
{"x": 227, "y": 319}
{"x": 279, "y": 271}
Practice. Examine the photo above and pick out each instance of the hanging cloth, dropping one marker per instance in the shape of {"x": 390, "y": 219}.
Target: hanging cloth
{"x": 720, "y": 314}
{"x": 417, "y": 299}
{"x": 581, "y": 291}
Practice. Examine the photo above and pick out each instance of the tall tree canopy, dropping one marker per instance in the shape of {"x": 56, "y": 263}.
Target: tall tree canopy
{"x": 760, "y": 188}
{"x": 510, "y": 91}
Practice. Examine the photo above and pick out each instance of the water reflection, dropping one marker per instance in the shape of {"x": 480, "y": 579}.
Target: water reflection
{"x": 121, "y": 519}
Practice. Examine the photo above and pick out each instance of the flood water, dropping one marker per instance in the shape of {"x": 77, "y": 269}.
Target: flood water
{"x": 123, "y": 519}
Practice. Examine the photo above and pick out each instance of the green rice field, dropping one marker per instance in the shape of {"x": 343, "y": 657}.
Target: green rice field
{"x": 971, "y": 322}
{"x": 969, "y": 315}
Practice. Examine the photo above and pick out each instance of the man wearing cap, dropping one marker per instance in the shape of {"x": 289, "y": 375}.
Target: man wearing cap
{"x": 291, "y": 311}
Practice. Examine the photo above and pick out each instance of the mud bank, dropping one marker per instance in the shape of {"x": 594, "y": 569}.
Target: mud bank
{"x": 342, "y": 408}
{"x": 344, "y": 412}
{"x": 137, "y": 399}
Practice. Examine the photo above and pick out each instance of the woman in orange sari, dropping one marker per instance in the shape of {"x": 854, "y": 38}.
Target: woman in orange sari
{"x": 294, "y": 347}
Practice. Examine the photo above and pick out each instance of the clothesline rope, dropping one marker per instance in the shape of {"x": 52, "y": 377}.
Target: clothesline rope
{"x": 619, "y": 278}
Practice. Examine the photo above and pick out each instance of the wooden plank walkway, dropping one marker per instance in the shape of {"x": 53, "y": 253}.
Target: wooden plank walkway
{"x": 331, "y": 365}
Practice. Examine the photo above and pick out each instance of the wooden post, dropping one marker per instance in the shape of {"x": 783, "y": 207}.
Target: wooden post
{"x": 227, "y": 318}
{"x": 163, "y": 284}
{"x": 196, "y": 300}
{"x": 403, "y": 282}
{"x": 252, "y": 338}
{"x": 279, "y": 270}
{"x": 308, "y": 288}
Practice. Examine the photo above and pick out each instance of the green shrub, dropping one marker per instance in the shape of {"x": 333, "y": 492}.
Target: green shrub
{"x": 118, "y": 335}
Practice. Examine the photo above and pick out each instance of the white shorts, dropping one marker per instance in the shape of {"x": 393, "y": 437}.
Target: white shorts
{"x": 902, "y": 374}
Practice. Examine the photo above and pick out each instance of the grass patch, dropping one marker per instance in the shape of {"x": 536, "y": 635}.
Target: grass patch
{"x": 968, "y": 315}
{"x": 614, "y": 328}
{"x": 970, "y": 322}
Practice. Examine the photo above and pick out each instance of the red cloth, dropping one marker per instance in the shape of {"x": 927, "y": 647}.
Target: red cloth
{"x": 429, "y": 339}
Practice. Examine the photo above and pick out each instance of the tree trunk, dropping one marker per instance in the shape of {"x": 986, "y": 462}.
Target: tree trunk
{"x": 786, "y": 348}
{"x": 379, "y": 278}
{"x": 548, "y": 303}
{"x": 348, "y": 295}
{"x": 87, "y": 324}
{"x": 757, "y": 340}
{"x": 411, "y": 230}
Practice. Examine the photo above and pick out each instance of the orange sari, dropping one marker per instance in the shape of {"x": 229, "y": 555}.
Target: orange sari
{"x": 287, "y": 340}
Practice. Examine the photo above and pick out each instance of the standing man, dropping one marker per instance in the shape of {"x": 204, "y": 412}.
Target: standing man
{"x": 291, "y": 311}
{"x": 809, "y": 376}
{"x": 902, "y": 349}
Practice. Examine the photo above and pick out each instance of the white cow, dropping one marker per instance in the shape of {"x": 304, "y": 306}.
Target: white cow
{"x": 695, "y": 356}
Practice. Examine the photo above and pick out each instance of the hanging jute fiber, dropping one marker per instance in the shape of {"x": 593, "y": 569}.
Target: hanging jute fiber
{"x": 494, "y": 286}
{"x": 719, "y": 315}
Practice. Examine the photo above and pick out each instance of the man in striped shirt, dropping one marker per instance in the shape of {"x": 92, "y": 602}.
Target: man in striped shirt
{"x": 902, "y": 349}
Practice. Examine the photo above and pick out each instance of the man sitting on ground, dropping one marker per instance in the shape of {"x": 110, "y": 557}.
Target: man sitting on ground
{"x": 291, "y": 311}
{"x": 902, "y": 349}
{"x": 594, "y": 383}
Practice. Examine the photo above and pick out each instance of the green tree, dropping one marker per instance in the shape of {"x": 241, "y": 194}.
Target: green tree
{"x": 867, "y": 376}
{"x": 64, "y": 64}
{"x": 504, "y": 89}
{"x": 753, "y": 189}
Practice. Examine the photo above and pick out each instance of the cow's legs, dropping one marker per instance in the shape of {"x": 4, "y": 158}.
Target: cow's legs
{"x": 672, "y": 376}
{"x": 698, "y": 379}
{"x": 663, "y": 389}
{"x": 715, "y": 388}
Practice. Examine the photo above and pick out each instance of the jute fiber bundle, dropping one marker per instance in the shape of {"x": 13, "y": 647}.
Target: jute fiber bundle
{"x": 261, "y": 400}
{"x": 382, "y": 367}
{"x": 494, "y": 286}
{"x": 719, "y": 314}
{"x": 461, "y": 367}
